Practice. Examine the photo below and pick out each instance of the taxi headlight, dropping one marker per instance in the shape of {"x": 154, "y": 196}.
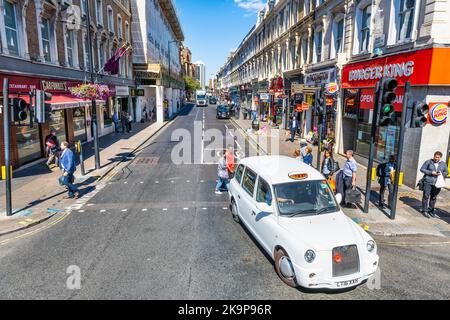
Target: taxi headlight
{"x": 310, "y": 256}
{"x": 371, "y": 246}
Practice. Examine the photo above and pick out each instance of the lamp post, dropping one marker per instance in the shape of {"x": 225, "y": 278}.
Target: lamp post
{"x": 94, "y": 107}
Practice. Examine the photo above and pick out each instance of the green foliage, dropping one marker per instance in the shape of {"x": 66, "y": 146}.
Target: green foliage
{"x": 191, "y": 84}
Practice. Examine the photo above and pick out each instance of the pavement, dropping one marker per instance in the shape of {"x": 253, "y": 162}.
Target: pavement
{"x": 37, "y": 195}
{"x": 154, "y": 229}
{"x": 409, "y": 220}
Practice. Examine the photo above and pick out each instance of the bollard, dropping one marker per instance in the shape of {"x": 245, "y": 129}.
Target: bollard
{"x": 80, "y": 152}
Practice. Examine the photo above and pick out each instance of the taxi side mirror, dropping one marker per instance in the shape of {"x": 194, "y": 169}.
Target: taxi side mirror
{"x": 264, "y": 207}
{"x": 339, "y": 198}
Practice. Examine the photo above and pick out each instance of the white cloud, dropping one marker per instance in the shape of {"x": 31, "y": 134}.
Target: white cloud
{"x": 250, "y": 5}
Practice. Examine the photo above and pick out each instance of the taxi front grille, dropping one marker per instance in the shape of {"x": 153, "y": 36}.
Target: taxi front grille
{"x": 345, "y": 261}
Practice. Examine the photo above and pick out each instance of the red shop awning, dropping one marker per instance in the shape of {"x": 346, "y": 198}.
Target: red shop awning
{"x": 59, "y": 102}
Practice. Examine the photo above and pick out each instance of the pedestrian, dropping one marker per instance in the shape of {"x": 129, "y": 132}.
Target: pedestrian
{"x": 52, "y": 147}
{"x": 308, "y": 158}
{"x": 384, "y": 173}
{"x": 222, "y": 174}
{"x": 293, "y": 127}
{"x": 145, "y": 114}
{"x": 435, "y": 171}
{"x": 230, "y": 162}
{"x": 297, "y": 155}
{"x": 130, "y": 121}
{"x": 68, "y": 168}
{"x": 328, "y": 165}
{"x": 115, "y": 119}
{"x": 123, "y": 121}
{"x": 349, "y": 175}
{"x": 303, "y": 146}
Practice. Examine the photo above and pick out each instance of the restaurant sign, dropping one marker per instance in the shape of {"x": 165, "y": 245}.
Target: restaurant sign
{"x": 438, "y": 113}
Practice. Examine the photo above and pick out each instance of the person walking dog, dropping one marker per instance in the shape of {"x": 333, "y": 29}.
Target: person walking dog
{"x": 435, "y": 171}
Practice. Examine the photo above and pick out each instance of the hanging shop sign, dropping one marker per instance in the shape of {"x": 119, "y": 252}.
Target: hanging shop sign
{"x": 332, "y": 89}
{"x": 281, "y": 96}
{"x": 438, "y": 114}
{"x": 264, "y": 96}
{"x": 137, "y": 92}
{"x": 305, "y": 106}
{"x": 122, "y": 91}
{"x": 297, "y": 88}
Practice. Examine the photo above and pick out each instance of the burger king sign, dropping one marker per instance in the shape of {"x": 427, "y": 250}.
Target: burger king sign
{"x": 438, "y": 113}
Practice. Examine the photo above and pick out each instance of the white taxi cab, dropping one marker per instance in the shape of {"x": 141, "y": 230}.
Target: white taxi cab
{"x": 292, "y": 212}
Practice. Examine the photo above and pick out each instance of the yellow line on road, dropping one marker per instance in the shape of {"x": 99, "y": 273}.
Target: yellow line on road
{"x": 51, "y": 224}
{"x": 412, "y": 244}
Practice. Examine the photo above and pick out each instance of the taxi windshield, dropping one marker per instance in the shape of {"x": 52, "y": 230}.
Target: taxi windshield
{"x": 305, "y": 198}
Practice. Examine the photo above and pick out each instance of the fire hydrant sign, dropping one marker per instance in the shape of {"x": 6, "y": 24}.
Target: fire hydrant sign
{"x": 438, "y": 113}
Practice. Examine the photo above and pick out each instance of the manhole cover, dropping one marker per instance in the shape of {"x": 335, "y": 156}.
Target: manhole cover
{"x": 147, "y": 161}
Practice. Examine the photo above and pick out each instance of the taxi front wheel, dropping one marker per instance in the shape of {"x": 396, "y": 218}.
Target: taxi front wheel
{"x": 284, "y": 268}
{"x": 234, "y": 211}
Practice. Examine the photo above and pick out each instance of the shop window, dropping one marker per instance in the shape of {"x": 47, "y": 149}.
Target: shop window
{"x": 11, "y": 28}
{"x": 107, "y": 116}
{"x": 28, "y": 142}
{"x": 79, "y": 124}
{"x": 57, "y": 121}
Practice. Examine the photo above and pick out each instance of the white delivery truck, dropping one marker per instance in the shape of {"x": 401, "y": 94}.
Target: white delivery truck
{"x": 200, "y": 98}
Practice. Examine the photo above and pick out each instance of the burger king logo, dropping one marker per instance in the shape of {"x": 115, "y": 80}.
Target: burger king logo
{"x": 332, "y": 88}
{"x": 439, "y": 113}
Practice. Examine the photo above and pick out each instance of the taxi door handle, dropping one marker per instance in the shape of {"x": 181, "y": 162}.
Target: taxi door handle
{"x": 253, "y": 213}
{"x": 239, "y": 196}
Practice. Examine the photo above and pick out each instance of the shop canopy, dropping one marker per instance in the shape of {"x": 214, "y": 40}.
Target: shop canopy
{"x": 59, "y": 102}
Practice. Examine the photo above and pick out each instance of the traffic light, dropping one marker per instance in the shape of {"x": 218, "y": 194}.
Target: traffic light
{"x": 320, "y": 104}
{"x": 43, "y": 109}
{"x": 19, "y": 107}
{"x": 388, "y": 97}
{"x": 419, "y": 117}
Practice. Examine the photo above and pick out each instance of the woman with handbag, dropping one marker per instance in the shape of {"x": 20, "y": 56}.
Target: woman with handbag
{"x": 435, "y": 171}
{"x": 223, "y": 178}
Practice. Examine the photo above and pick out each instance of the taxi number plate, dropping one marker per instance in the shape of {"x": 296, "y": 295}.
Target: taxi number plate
{"x": 344, "y": 284}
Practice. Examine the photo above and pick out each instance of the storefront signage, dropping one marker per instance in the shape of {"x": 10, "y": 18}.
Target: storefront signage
{"x": 137, "y": 92}
{"x": 415, "y": 67}
{"x": 322, "y": 77}
{"x": 264, "y": 96}
{"x": 54, "y": 86}
{"x": 305, "y": 106}
{"x": 332, "y": 88}
{"x": 144, "y": 75}
{"x": 367, "y": 99}
{"x": 439, "y": 113}
{"x": 297, "y": 88}
{"x": 122, "y": 91}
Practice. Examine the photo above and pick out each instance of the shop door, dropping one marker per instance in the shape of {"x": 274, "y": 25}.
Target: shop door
{"x": 58, "y": 122}
{"x": 28, "y": 141}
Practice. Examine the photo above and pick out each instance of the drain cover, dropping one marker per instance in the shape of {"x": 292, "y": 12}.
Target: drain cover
{"x": 147, "y": 161}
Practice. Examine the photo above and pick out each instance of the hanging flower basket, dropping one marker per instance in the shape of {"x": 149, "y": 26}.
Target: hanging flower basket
{"x": 89, "y": 91}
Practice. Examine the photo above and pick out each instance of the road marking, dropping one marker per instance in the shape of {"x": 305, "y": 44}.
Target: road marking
{"x": 165, "y": 209}
{"x": 406, "y": 244}
{"x": 156, "y": 182}
{"x": 204, "y": 208}
{"x": 102, "y": 211}
{"x": 144, "y": 210}
{"x": 185, "y": 209}
{"x": 124, "y": 210}
{"x": 81, "y": 211}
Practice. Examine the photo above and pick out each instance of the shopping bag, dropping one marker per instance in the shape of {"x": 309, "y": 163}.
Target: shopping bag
{"x": 440, "y": 183}
{"x": 353, "y": 196}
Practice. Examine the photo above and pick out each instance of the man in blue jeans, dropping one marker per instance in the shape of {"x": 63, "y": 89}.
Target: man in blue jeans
{"x": 68, "y": 168}
{"x": 349, "y": 175}
{"x": 223, "y": 178}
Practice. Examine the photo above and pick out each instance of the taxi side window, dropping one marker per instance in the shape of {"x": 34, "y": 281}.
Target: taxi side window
{"x": 264, "y": 195}
{"x": 239, "y": 172}
{"x": 249, "y": 181}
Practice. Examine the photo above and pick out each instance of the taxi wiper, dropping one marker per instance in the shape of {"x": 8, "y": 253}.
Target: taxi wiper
{"x": 313, "y": 211}
{"x": 326, "y": 210}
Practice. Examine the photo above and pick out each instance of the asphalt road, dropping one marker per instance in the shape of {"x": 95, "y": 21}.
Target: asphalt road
{"x": 156, "y": 230}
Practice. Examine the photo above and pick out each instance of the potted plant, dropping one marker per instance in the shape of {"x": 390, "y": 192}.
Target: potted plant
{"x": 90, "y": 91}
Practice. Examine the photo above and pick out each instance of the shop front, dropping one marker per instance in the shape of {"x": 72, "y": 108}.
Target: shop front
{"x": 423, "y": 69}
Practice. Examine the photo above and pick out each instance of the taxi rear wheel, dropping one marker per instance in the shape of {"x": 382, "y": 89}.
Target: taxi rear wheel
{"x": 234, "y": 211}
{"x": 284, "y": 268}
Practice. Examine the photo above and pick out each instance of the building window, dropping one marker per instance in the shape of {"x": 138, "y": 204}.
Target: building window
{"x": 127, "y": 31}
{"x": 83, "y": 6}
{"x": 101, "y": 53}
{"x": 119, "y": 26}
{"x": 99, "y": 12}
{"x": 305, "y": 50}
{"x": 365, "y": 29}
{"x": 318, "y": 46}
{"x": 110, "y": 20}
{"x": 338, "y": 37}
{"x": 406, "y": 19}
{"x": 69, "y": 46}
{"x": 11, "y": 28}
{"x": 86, "y": 54}
{"x": 45, "y": 32}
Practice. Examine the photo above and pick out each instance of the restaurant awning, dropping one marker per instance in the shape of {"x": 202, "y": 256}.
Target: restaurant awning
{"x": 59, "y": 102}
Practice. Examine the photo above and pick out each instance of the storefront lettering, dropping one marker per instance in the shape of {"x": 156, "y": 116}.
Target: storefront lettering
{"x": 397, "y": 70}
{"x": 54, "y": 86}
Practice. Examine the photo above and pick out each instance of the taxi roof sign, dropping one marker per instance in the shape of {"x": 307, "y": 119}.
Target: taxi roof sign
{"x": 298, "y": 176}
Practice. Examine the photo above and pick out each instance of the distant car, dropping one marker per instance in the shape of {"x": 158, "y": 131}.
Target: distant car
{"x": 223, "y": 112}
{"x": 292, "y": 212}
{"x": 212, "y": 100}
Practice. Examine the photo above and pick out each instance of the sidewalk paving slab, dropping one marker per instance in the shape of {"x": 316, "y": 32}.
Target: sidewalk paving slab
{"x": 409, "y": 221}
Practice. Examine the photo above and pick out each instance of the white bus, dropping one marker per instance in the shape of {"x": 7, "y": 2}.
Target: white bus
{"x": 200, "y": 98}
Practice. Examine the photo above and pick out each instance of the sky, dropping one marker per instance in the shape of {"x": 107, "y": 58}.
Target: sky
{"x": 213, "y": 28}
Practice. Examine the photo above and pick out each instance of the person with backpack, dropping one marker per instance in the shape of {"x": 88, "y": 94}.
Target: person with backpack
{"x": 384, "y": 173}
{"x": 52, "y": 147}
{"x": 435, "y": 171}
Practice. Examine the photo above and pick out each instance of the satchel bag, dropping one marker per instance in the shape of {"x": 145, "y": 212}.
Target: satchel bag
{"x": 353, "y": 196}
{"x": 421, "y": 184}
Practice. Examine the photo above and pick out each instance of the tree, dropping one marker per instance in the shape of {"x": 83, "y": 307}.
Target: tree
{"x": 191, "y": 84}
